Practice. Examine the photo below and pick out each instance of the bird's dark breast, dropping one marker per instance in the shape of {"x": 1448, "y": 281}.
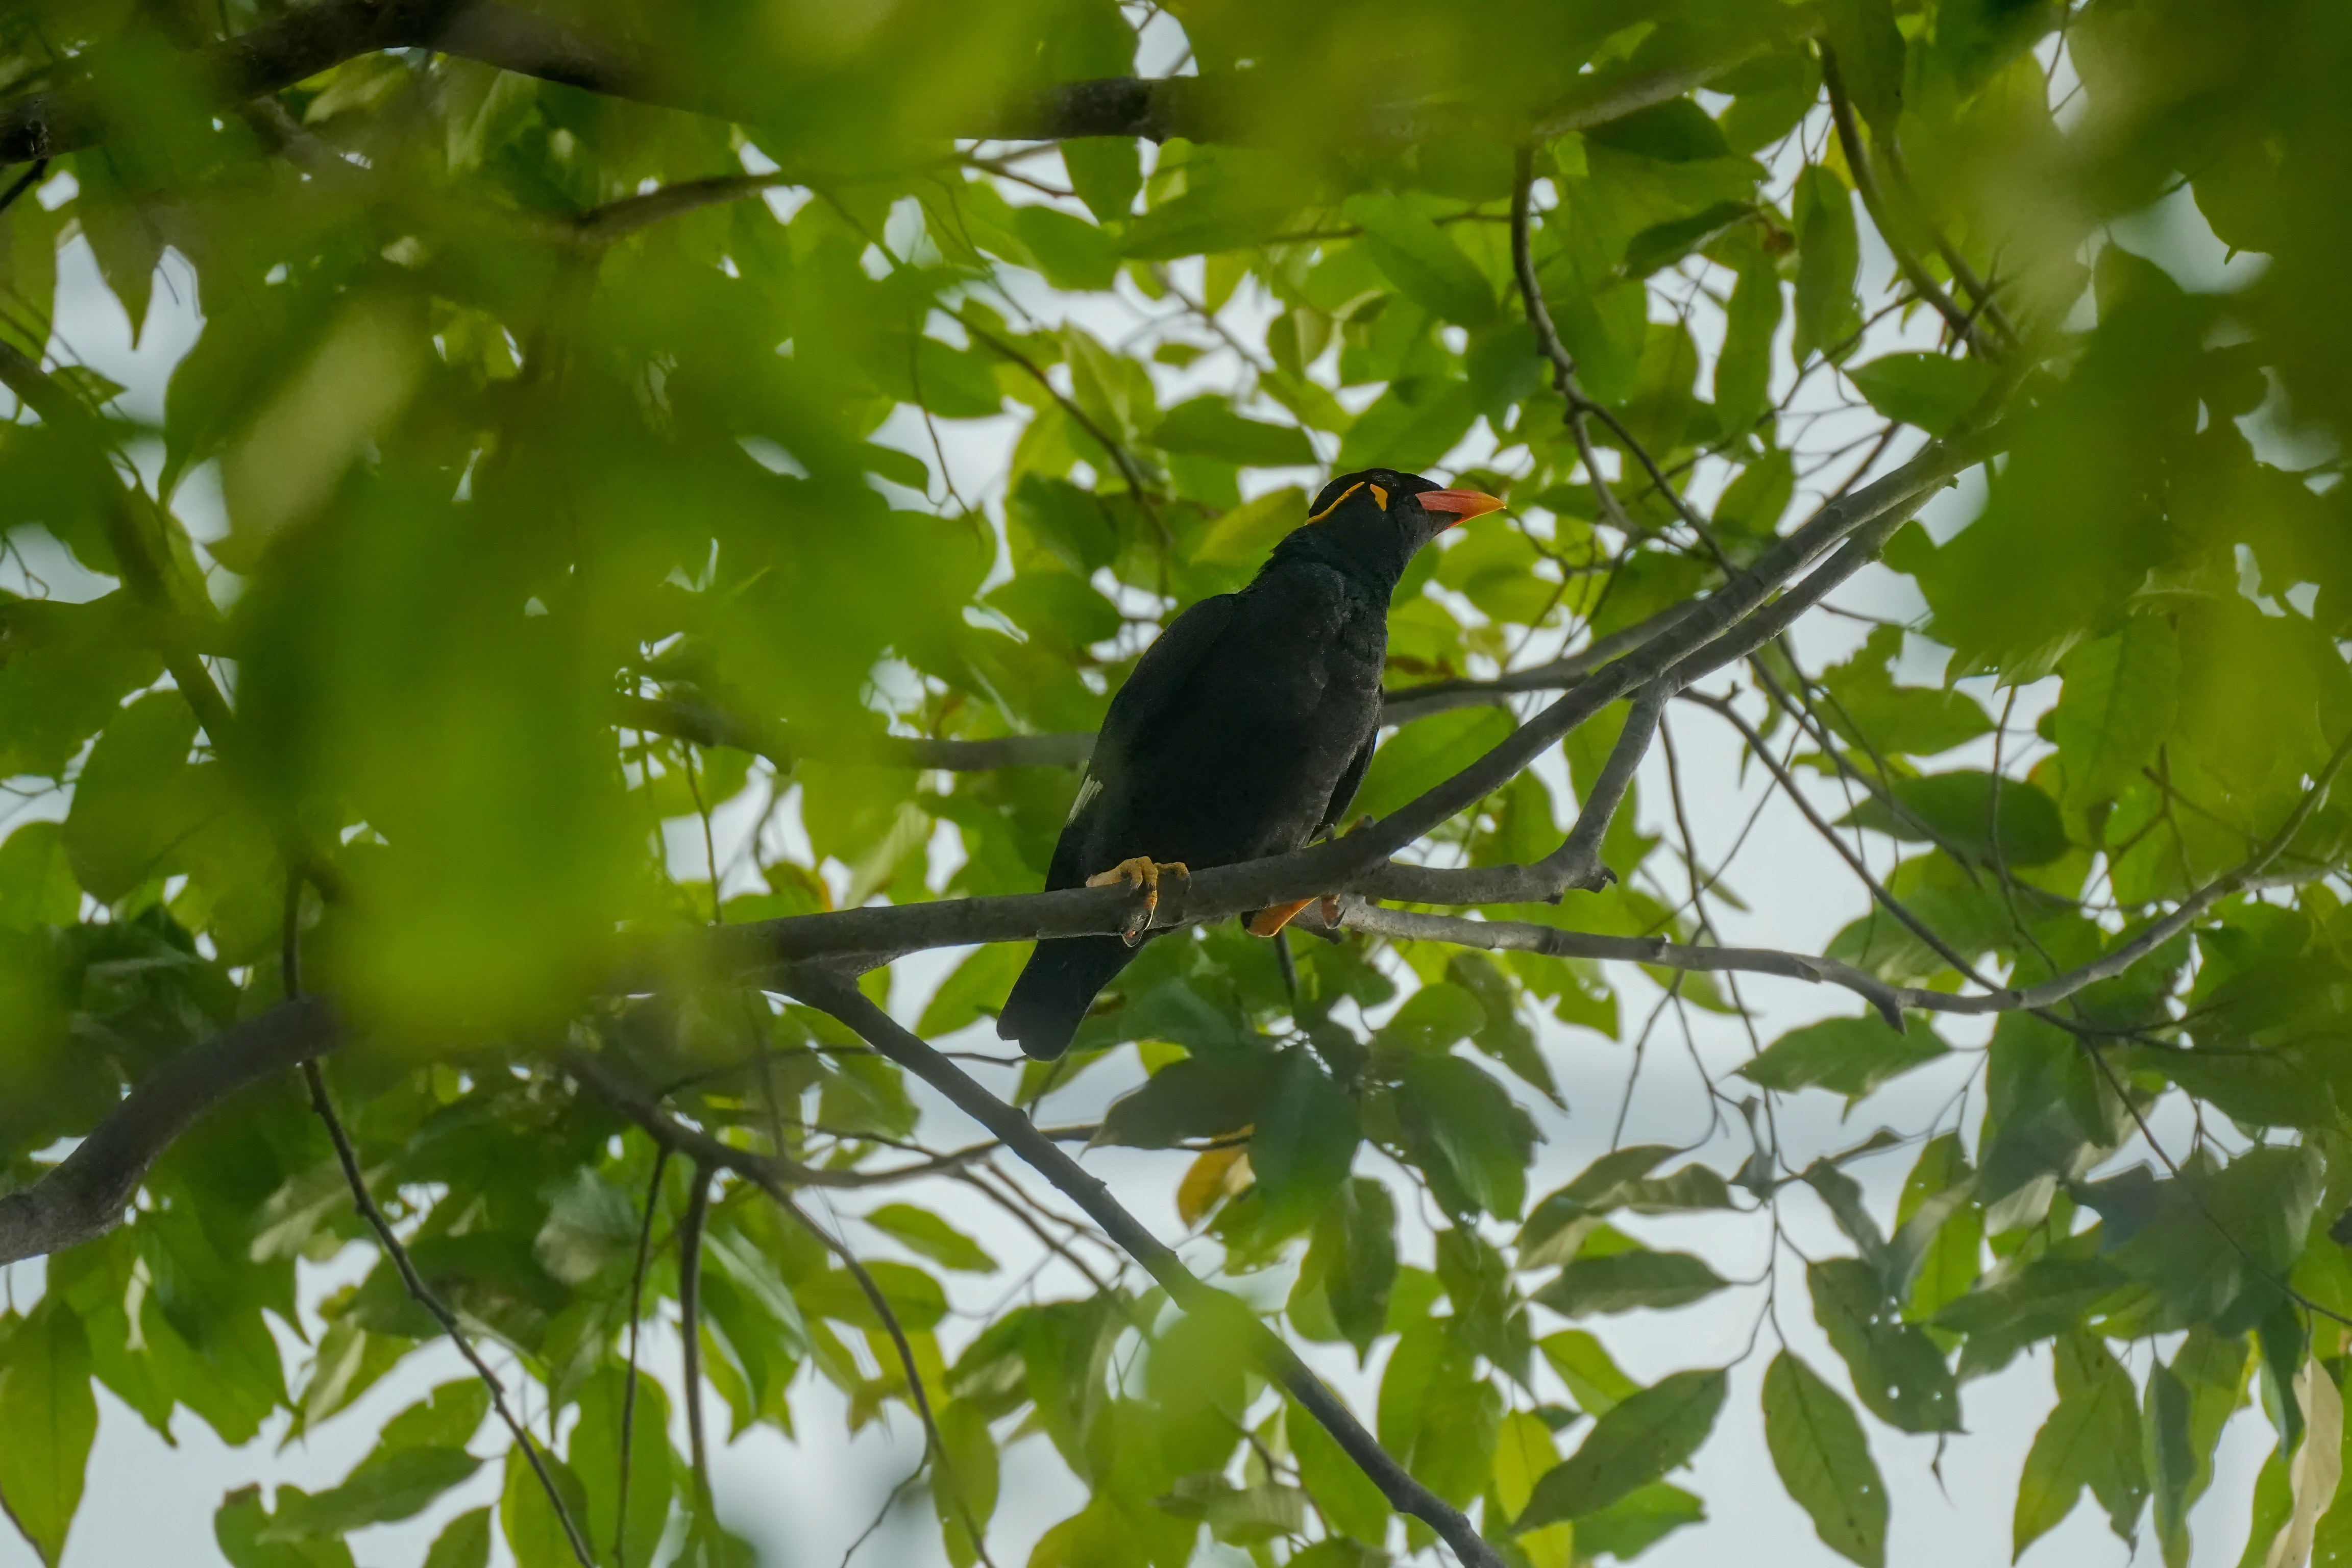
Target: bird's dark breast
{"x": 1244, "y": 761}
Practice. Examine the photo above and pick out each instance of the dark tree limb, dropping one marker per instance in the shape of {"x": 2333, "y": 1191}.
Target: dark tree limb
{"x": 84, "y": 1196}
{"x": 304, "y": 40}
{"x": 826, "y": 990}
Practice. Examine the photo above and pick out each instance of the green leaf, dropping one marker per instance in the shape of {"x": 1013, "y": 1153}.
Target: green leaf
{"x": 1901, "y": 1377}
{"x": 2092, "y": 1438}
{"x": 50, "y": 1417}
{"x": 136, "y": 800}
{"x": 1622, "y": 1281}
{"x": 1304, "y": 1141}
{"x": 67, "y": 670}
{"x": 2115, "y": 708}
{"x": 1208, "y": 427}
{"x": 975, "y": 988}
{"x": 1106, "y": 172}
{"x": 1931, "y": 391}
{"x": 1639, "y": 1520}
{"x": 447, "y": 1420}
{"x": 389, "y": 1484}
{"x": 1872, "y": 711}
{"x": 964, "y": 1483}
{"x": 1824, "y": 1461}
{"x": 1435, "y": 1414}
{"x": 464, "y": 1542}
{"x": 1869, "y": 57}
{"x": 1743, "y": 370}
{"x": 1637, "y": 1443}
{"x": 533, "y": 1530}
{"x": 1349, "y": 1498}
{"x": 1433, "y": 1019}
{"x": 1253, "y": 527}
{"x": 914, "y": 1298}
{"x": 1661, "y": 244}
{"x": 1418, "y": 757}
{"x": 1846, "y": 1056}
{"x": 935, "y": 1239}
{"x": 1353, "y": 1257}
{"x": 1828, "y": 253}
{"x": 1098, "y": 1536}
{"x": 1416, "y": 255}
{"x": 1216, "y": 216}
{"x": 1070, "y": 251}
{"x": 36, "y": 882}
{"x": 238, "y": 1524}
{"x": 1961, "y": 808}
{"x": 1583, "y": 1364}
{"x": 1199, "y": 1097}
{"x": 1467, "y": 1134}
{"x": 596, "y": 1457}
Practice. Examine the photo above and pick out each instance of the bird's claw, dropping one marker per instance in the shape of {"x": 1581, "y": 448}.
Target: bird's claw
{"x": 1270, "y": 921}
{"x": 1143, "y": 872}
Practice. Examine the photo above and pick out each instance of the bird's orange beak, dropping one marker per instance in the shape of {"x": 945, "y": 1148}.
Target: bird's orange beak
{"x": 1461, "y": 505}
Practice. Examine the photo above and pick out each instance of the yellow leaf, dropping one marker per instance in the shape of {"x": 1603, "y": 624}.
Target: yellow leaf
{"x": 1216, "y": 1175}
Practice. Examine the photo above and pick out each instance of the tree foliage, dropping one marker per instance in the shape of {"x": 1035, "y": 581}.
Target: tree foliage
{"x": 561, "y": 487}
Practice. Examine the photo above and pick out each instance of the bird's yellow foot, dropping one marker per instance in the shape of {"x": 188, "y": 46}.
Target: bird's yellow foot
{"x": 1143, "y": 872}
{"x": 1269, "y": 922}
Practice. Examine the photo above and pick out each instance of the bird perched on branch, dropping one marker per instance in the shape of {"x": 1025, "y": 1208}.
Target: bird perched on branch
{"x": 1242, "y": 733}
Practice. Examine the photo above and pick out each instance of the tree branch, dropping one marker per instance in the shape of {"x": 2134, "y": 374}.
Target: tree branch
{"x": 305, "y": 40}
{"x": 825, "y": 990}
{"x": 1526, "y": 936}
{"x": 1548, "y": 344}
{"x": 84, "y": 1196}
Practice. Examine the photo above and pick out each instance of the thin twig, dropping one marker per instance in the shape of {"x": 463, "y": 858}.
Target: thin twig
{"x": 1548, "y": 344}
{"x": 637, "y": 1314}
{"x": 424, "y": 1297}
{"x": 689, "y": 1311}
{"x": 1866, "y": 182}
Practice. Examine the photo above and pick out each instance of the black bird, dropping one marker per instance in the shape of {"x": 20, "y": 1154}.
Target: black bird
{"x": 1244, "y": 730}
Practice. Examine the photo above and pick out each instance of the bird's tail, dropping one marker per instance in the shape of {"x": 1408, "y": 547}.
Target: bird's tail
{"x": 1057, "y": 988}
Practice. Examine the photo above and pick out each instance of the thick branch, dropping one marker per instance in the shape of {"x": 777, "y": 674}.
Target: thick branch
{"x": 825, "y": 990}
{"x": 306, "y": 40}
{"x": 84, "y": 1197}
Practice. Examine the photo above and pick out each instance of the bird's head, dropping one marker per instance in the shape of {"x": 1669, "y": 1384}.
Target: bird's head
{"x": 1382, "y": 517}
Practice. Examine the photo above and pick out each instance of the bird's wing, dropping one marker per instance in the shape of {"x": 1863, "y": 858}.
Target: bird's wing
{"x": 1159, "y": 676}
{"x": 1345, "y": 790}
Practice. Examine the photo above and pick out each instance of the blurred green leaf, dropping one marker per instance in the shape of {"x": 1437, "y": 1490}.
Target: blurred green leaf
{"x": 934, "y": 1238}
{"x": 1931, "y": 391}
{"x": 51, "y": 1416}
